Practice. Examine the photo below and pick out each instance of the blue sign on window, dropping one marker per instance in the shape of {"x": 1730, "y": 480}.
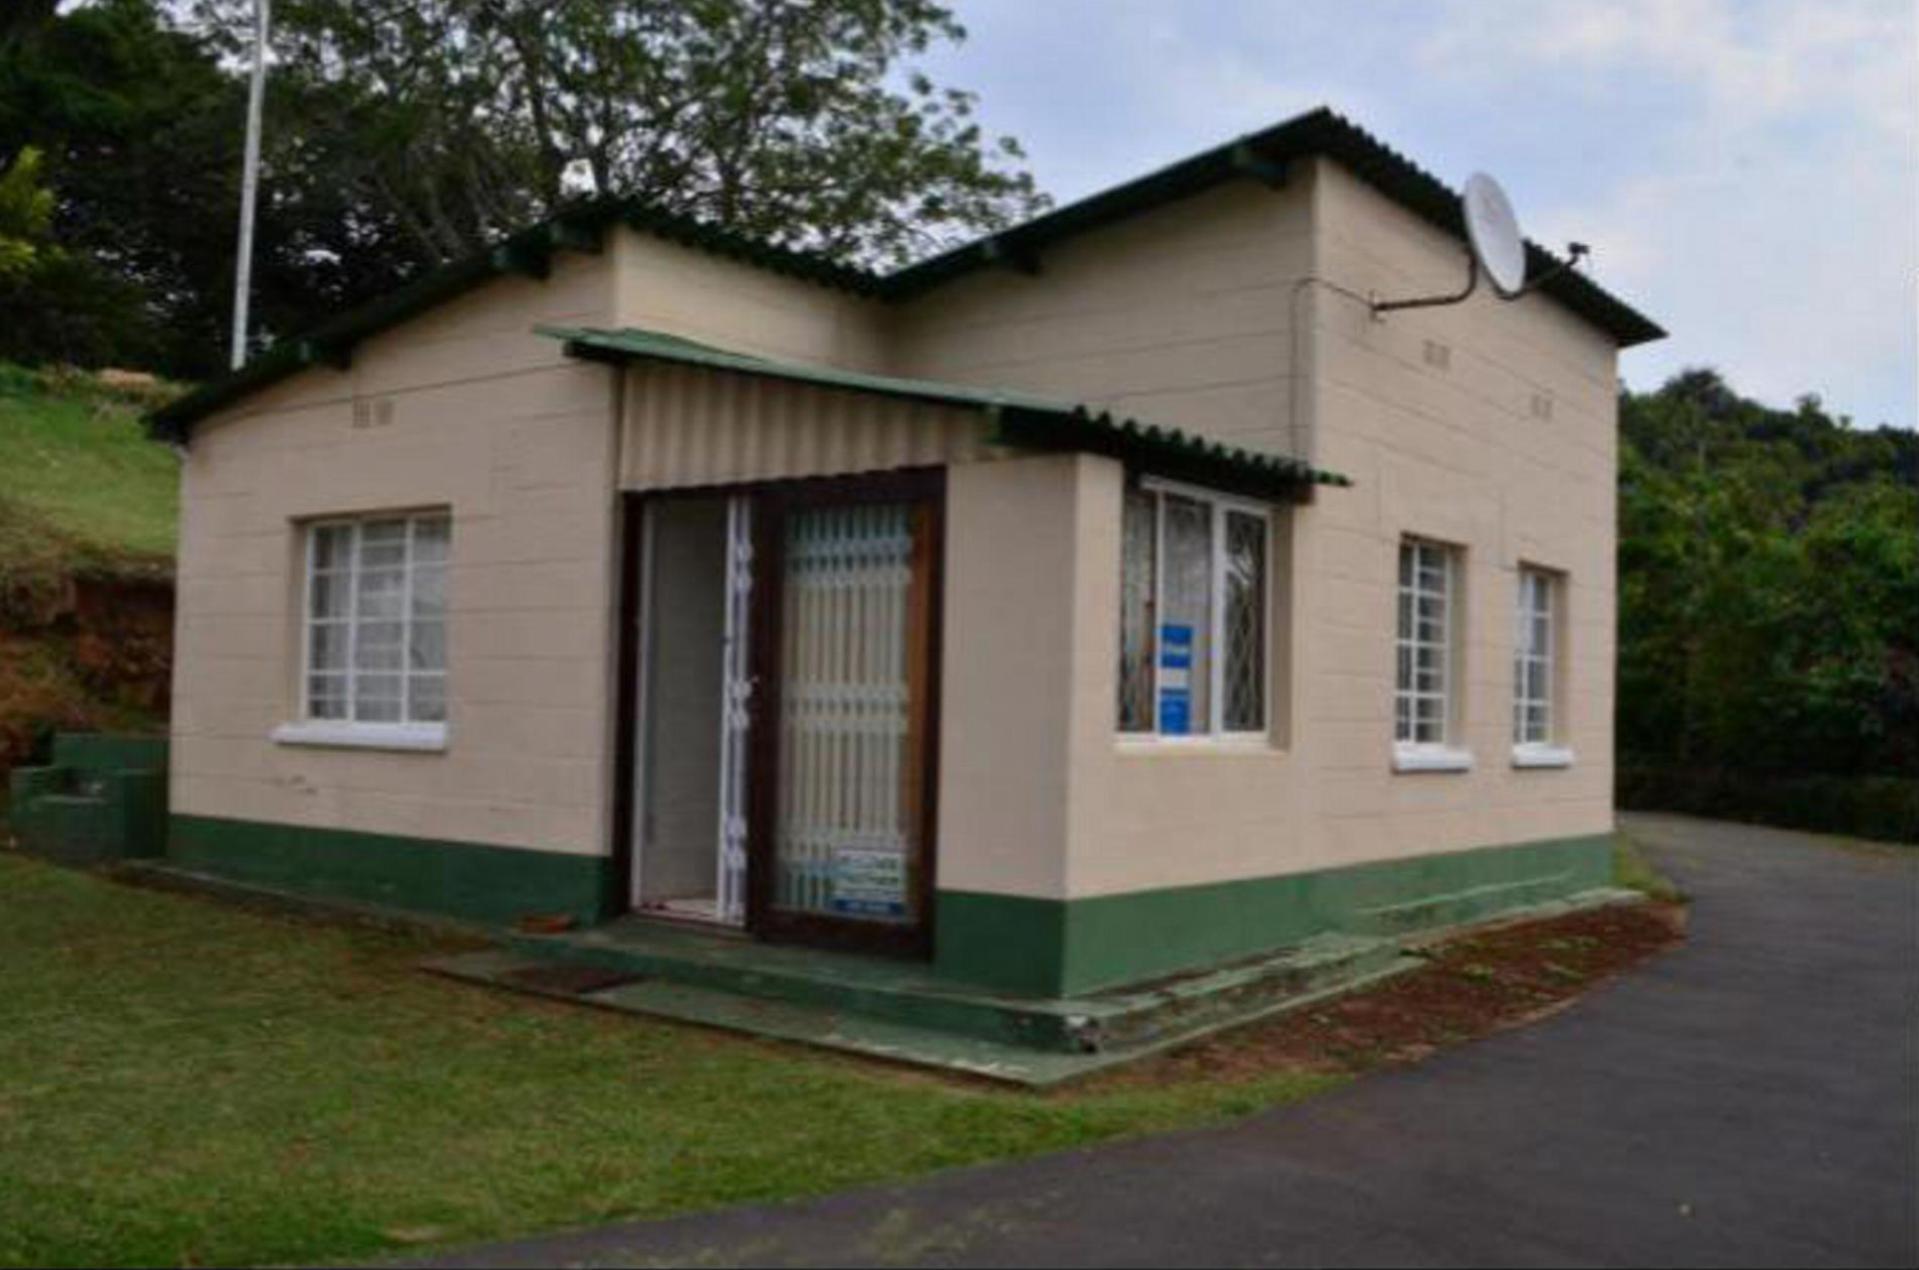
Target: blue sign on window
{"x": 1175, "y": 679}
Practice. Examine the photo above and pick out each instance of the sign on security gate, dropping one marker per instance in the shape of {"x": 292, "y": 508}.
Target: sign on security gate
{"x": 869, "y": 883}
{"x": 1175, "y": 679}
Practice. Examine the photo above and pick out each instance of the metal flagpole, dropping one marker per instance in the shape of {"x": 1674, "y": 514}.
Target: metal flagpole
{"x": 250, "y": 184}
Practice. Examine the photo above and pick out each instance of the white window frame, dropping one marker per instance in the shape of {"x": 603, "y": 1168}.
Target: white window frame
{"x": 1445, "y": 754}
{"x": 1220, "y": 505}
{"x": 1543, "y": 751}
{"x": 349, "y": 732}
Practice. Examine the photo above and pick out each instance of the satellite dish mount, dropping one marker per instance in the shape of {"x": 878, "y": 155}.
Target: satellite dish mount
{"x": 1494, "y": 247}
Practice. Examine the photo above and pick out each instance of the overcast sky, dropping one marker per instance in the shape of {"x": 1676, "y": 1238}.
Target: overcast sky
{"x": 1746, "y": 172}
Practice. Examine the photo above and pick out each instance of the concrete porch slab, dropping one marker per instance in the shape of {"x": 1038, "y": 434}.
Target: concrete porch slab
{"x": 902, "y": 1012}
{"x": 854, "y": 1033}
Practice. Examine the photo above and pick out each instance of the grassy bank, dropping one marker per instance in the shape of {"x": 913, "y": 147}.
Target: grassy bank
{"x": 80, "y": 484}
{"x": 88, "y": 508}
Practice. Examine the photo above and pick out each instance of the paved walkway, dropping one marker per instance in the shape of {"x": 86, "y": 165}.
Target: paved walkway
{"x": 1745, "y": 1101}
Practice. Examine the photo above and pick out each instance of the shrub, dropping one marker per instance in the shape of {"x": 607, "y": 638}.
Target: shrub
{"x": 1882, "y": 807}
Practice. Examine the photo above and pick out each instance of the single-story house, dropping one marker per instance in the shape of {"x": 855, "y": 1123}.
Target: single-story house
{"x": 1113, "y": 597}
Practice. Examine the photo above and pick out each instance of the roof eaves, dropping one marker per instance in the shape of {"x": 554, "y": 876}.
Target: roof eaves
{"x": 332, "y": 342}
{"x": 578, "y": 227}
{"x": 1167, "y": 452}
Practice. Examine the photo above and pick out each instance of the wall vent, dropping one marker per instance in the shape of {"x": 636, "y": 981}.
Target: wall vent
{"x": 372, "y": 412}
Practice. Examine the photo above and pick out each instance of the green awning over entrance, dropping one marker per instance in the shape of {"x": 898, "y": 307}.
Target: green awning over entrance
{"x": 1018, "y": 420}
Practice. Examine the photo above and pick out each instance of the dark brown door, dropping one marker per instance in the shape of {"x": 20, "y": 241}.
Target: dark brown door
{"x": 847, "y": 591}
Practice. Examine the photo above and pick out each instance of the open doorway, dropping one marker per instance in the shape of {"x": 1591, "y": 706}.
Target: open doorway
{"x": 689, "y": 848}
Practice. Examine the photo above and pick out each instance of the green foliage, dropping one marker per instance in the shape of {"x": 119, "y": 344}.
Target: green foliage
{"x": 1768, "y": 585}
{"x": 791, "y": 122}
{"x": 26, "y": 215}
{"x": 402, "y": 134}
{"x": 133, "y": 119}
{"x": 182, "y": 1083}
{"x": 1882, "y": 807}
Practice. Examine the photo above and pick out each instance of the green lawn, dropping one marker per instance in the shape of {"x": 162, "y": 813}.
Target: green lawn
{"x": 78, "y": 474}
{"x": 183, "y": 1082}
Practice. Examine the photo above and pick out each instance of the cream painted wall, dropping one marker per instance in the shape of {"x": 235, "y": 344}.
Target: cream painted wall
{"x": 1181, "y": 315}
{"x": 696, "y": 295}
{"x": 492, "y": 422}
{"x": 1455, "y": 453}
{"x": 1009, "y": 668}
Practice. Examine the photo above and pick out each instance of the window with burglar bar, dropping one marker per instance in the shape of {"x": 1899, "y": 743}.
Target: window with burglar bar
{"x": 1193, "y": 604}
{"x": 1533, "y": 658}
{"x": 1422, "y": 706}
{"x": 376, "y": 620}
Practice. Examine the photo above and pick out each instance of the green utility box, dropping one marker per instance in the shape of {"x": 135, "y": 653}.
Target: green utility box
{"x": 102, "y": 798}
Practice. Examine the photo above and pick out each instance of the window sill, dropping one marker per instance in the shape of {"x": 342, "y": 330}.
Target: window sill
{"x": 416, "y": 737}
{"x": 1242, "y": 744}
{"x": 1431, "y": 758}
{"x": 1542, "y": 756}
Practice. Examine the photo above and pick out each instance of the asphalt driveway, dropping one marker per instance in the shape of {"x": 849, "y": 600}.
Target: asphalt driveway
{"x": 1748, "y": 1100}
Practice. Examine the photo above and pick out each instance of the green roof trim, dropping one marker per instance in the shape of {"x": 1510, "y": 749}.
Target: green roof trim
{"x": 581, "y": 227}
{"x": 1018, "y": 420}
{"x": 1262, "y": 156}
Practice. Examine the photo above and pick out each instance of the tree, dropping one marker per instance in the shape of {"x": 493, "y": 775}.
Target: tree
{"x": 136, "y": 121}
{"x": 1768, "y": 578}
{"x": 784, "y": 119}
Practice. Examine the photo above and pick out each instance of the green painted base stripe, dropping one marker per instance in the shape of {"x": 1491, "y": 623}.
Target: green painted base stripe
{"x": 469, "y": 880}
{"x": 1011, "y": 942}
{"x": 1066, "y": 947}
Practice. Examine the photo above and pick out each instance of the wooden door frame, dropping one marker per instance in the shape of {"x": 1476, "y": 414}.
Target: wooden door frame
{"x": 770, "y": 499}
{"x": 627, "y": 686}
{"x": 925, "y": 487}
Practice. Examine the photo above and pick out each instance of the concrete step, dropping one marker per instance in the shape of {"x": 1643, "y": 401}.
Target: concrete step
{"x": 908, "y": 995}
{"x": 841, "y": 1030}
{"x": 850, "y": 1031}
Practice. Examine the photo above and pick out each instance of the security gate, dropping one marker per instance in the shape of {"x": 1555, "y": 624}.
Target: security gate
{"x": 736, "y": 706}
{"x": 841, "y": 851}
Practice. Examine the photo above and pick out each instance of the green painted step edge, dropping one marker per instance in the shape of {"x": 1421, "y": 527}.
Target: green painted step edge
{"x": 788, "y": 1021}
{"x": 107, "y": 751}
{"x": 469, "y": 880}
{"x": 1071, "y": 947}
{"x": 84, "y": 816}
{"x": 1004, "y": 1023}
{"x": 895, "y": 1042}
{"x": 1124, "y": 1019}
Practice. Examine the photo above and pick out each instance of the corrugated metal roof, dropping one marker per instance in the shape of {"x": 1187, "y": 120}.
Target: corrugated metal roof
{"x": 1019, "y": 420}
{"x": 1264, "y": 155}
{"x": 1257, "y": 156}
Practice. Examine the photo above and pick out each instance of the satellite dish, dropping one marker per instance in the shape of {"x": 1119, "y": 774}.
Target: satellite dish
{"x": 1493, "y": 231}
{"x": 1492, "y": 236}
